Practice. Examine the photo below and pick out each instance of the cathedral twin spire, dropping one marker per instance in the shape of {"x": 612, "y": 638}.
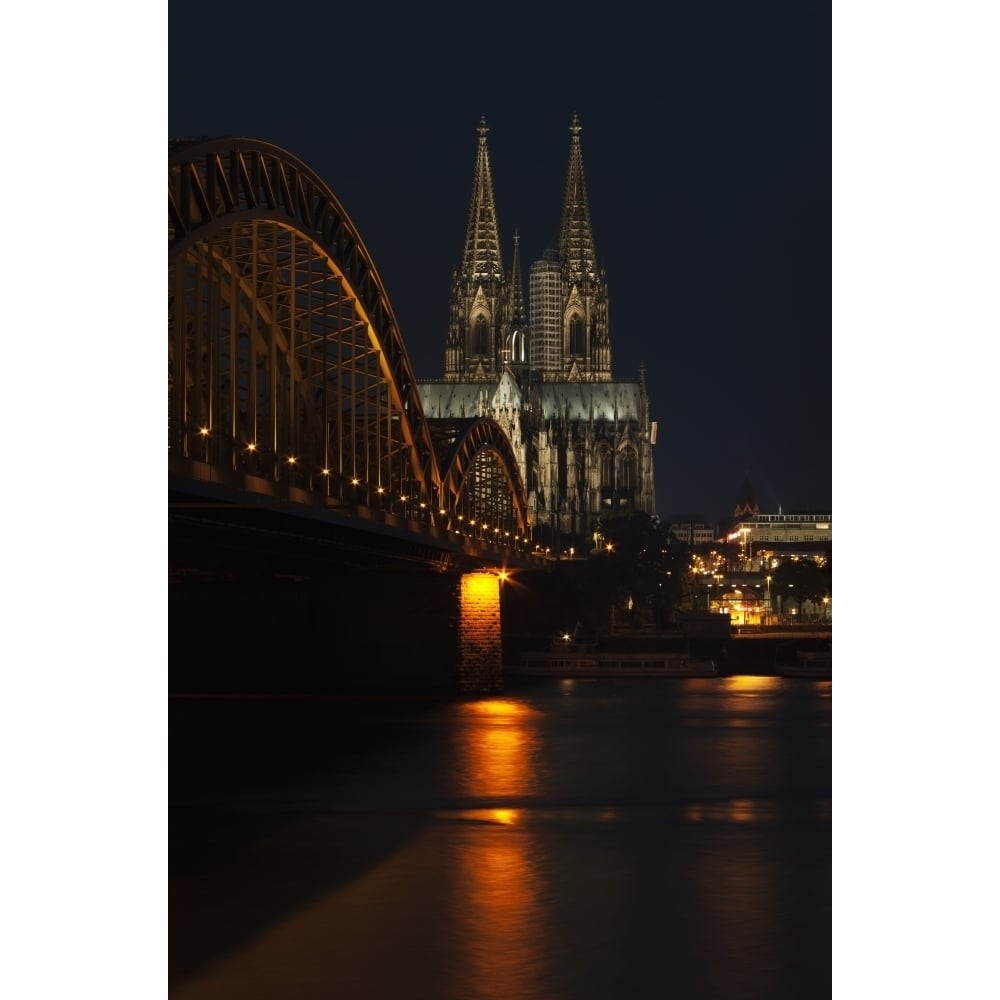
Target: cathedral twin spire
{"x": 482, "y": 241}
{"x": 488, "y": 321}
{"x": 576, "y": 237}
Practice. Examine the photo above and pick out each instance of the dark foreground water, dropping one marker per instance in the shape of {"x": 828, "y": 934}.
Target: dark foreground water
{"x": 648, "y": 838}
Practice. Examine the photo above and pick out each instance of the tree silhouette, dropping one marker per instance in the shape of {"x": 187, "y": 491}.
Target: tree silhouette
{"x": 803, "y": 579}
{"x": 640, "y": 560}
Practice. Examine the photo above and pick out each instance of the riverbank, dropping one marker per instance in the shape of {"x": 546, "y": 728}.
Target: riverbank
{"x": 757, "y": 651}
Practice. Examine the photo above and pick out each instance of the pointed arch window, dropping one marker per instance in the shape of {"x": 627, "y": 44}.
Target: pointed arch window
{"x": 607, "y": 463}
{"x": 576, "y": 335}
{"x": 628, "y": 476}
{"x": 480, "y": 345}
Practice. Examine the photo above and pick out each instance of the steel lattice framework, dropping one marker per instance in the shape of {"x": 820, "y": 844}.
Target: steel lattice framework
{"x": 481, "y": 470}
{"x": 286, "y": 364}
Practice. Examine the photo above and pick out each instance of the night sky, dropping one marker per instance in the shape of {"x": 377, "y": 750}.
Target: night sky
{"x": 707, "y": 151}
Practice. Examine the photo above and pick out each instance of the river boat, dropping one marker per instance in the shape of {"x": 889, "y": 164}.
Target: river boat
{"x": 817, "y": 664}
{"x": 571, "y": 659}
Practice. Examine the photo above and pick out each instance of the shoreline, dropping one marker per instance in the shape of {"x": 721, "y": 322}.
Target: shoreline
{"x": 752, "y": 650}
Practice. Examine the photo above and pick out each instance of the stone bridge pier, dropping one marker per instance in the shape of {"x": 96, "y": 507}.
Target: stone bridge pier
{"x": 396, "y": 630}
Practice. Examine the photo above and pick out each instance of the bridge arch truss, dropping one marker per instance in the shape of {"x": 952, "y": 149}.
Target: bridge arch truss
{"x": 481, "y": 478}
{"x": 287, "y": 370}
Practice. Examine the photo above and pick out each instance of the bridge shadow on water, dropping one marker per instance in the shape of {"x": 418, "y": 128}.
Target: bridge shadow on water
{"x": 251, "y": 837}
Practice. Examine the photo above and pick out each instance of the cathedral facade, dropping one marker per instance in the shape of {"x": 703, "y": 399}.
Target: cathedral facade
{"x": 583, "y": 439}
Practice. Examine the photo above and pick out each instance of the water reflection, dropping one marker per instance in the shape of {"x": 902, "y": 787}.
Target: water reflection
{"x": 751, "y": 684}
{"x": 582, "y": 841}
{"x": 734, "y": 811}
{"x": 499, "y": 893}
{"x": 497, "y": 752}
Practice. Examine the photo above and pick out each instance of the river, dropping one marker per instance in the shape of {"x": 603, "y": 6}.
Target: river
{"x": 568, "y": 839}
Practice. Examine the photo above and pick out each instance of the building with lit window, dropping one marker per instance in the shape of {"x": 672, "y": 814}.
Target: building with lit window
{"x": 809, "y": 533}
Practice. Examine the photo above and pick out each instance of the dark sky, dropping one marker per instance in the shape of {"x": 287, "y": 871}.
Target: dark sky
{"x": 707, "y": 151}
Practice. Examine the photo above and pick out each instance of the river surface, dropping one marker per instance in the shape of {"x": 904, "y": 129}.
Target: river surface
{"x": 656, "y": 838}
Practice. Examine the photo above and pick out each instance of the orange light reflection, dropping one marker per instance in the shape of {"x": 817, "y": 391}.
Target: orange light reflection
{"x": 499, "y": 747}
{"x": 500, "y": 892}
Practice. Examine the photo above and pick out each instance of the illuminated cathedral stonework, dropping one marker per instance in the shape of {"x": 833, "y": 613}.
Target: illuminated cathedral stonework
{"x": 583, "y": 439}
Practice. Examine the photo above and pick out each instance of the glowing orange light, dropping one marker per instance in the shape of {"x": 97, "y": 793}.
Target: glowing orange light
{"x": 479, "y": 585}
{"x": 502, "y": 707}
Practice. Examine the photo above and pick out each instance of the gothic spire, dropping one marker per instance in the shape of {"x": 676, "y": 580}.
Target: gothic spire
{"x": 516, "y": 288}
{"x": 482, "y": 243}
{"x": 576, "y": 239}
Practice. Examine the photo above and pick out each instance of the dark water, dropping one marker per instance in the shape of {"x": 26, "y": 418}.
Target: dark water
{"x": 660, "y": 838}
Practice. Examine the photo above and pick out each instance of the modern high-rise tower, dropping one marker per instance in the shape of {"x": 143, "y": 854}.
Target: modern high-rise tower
{"x": 583, "y": 439}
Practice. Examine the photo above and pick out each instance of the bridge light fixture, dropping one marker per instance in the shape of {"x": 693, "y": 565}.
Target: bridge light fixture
{"x": 380, "y": 489}
{"x": 355, "y": 481}
{"x": 252, "y": 446}
{"x": 326, "y": 472}
{"x": 291, "y": 459}
{"x": 203, "y": 432}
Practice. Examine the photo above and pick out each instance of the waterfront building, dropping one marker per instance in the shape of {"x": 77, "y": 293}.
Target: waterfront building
{"x": 759, "y": 542}
{"x": 582, "y": 437}
{"x": 767, "y": 539}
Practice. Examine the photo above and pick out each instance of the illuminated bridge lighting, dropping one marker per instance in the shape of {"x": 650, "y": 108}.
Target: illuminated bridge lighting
{"x": 327, "y": 386}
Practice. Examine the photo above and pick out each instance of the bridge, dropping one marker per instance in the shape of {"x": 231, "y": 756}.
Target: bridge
{"x": 289, "y": 383}
{"x": 296, "y": 434}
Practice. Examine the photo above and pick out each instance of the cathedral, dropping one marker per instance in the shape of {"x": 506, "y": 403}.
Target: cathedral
{"x": 583, "y": 438}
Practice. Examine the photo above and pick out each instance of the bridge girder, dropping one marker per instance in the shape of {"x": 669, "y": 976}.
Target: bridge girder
{"x": 286, "y": 359}
{"x": 239, "y": 211}
{"x": 476, "y": 457}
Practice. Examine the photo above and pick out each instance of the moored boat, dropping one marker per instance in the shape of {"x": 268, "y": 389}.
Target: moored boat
{"x": 810, "y": 663}
{"x": 585, "y": 660}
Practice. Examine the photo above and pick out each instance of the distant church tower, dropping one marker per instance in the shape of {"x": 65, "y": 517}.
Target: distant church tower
{"x": 746, "y": 501}
{"x": 582, "y": 438}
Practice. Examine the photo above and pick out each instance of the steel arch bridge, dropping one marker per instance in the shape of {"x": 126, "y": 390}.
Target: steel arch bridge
{"x": 288, "y": 376}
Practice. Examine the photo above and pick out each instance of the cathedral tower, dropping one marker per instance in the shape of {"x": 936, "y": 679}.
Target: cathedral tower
{"x": 586, "y": 347}
{"x": 479, "y": 290}
{"x": 583, "y": 439}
